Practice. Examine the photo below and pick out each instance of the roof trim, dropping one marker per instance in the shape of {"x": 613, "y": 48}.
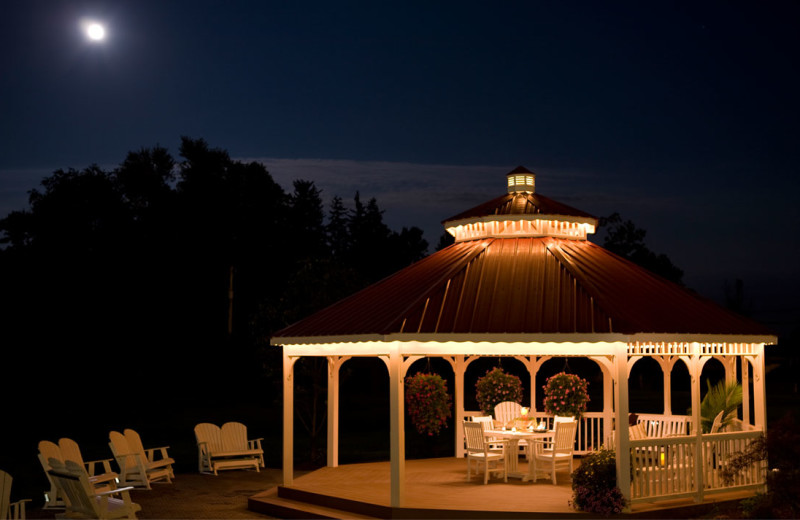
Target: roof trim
{"x": 523, "y": 338}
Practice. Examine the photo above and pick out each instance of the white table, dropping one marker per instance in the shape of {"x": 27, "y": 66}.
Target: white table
{"x": 512, "y": 450}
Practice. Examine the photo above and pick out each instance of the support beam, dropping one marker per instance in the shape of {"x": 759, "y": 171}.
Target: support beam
{"x": 622, "y": 437}
{"x": 397, "y": 437}
{"x": 459, "y": 365}
{"x": 745, "y": 390}
{"x": 288, "y": 420}
{"x": 759, "y": 390}
{"x": 695, "y": 369}
{"x": 334, "y": 366}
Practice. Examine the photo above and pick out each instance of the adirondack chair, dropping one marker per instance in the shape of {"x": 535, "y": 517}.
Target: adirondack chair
{"x": 478, "y": 451}
{"x": 8, "y": 509}
{"x": 226, "y": 448}
{"x": 137, "y": 467}
{"x": 506, "y": 412}
{"x": 504, "y": 415}
{"x": 50, "y": 450}
{"x": 560, "y": 454}
{"x": 99, "y": 471}
{"x": 83, "y": 500}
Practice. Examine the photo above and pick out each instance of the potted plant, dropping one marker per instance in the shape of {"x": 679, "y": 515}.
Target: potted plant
{"x": 566, "y": 394}
{"x": 427, "y": 402}
{"x": 495, "y": 387}
{"x": 594, "y": 484}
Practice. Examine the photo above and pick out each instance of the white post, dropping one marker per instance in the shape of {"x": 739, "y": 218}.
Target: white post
{"x": 622, "y": 445}
{"x": 288, "y": 420}
{"x": 459, "y": 367}
{"x": 397, "y": 437}
{"x": 334, "y": 364}
{"x": 745, "y": 390}
{"x": 695, "y": 370}
{"x": 666, "y": 368}
{"x": 759, "y": 390}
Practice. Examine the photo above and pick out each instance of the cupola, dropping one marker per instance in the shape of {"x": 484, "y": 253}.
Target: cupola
{"x": 521, "y": 213}
{"x": 520, "y": 179}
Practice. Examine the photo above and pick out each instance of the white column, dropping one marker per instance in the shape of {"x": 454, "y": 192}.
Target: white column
{"x": 759, "y": 390}
{"x": 745, "y": 390}
{"x": 622, "y": 445}
{"x": 288, "y": 420}
{"x": 397, "y": 437}
{"x": 695, "y": 369}
{"x": 459, "y": 367}
{"x": 334, "y": 365}
{"x": 666, "y": 368}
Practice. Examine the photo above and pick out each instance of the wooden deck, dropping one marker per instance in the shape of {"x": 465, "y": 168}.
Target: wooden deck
{"x": 437, "y": 488}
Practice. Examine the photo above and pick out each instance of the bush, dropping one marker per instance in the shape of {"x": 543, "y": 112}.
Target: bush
{"x": 495, "y": 387}
{"x": 594, "y": 484}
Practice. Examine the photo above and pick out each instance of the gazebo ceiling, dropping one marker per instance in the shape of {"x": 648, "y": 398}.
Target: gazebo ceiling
{"x": 509, "y": 274}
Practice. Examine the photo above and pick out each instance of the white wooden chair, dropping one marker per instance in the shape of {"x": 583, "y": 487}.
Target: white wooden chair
{"x": 83, "y": 500}
{"x": 137, "y": 467}
{"x": 506, "y": 412}
{"x": 226, "y": 448}
{"x": 234, "y": 439}
{"x": 99, "y": 471}
{"x": 479, "y": 452}
{"x": 50, "y": 450}
{"x": 8, "y": 509}
{"x": 65, "y": 450}
{"x": 504, "y": 415}
{"x": 560, "y": 454}
{"x": 488, "y": 423}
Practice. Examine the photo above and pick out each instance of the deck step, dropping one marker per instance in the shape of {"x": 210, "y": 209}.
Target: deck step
{"x": 270, "y": 503}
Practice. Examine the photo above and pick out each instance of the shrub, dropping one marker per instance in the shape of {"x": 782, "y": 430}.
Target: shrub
{"x": 495, "y": 387}
{"x": 594, "y": 484}
{"x": 427, "y": 402}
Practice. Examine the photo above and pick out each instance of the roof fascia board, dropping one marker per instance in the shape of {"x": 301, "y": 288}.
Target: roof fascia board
{"x": 536, "y": 216}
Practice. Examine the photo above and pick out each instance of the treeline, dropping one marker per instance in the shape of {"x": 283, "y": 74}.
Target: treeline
{"x": 172, "y": 270}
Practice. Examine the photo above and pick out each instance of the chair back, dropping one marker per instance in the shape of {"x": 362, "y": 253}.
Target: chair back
{"x": 48, "y": 450}
{"x": 73, "y": 481}
{"x": 70, "y": 450}
{"x": 564, "y": 436}
{"x": 485, "y": 420}
{"x": 210, "y": 434}
{"x": 473, "y": 435}
{"x": 135, "y": 442}
{"x": 562, "y": 418}
{"x": 5, "y": 493}
{"x": 121, "y": 450}
{"x": 506, "y": 412}
{"x": 234, "y": 436}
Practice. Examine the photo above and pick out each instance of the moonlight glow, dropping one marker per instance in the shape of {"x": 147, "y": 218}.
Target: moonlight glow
{"x": 95, "y": 32}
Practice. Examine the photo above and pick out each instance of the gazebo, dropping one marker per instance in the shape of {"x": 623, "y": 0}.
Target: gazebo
{"x": 522, "y": 280}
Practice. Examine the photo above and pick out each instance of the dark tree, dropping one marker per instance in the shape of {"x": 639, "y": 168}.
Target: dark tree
{"x": 626, "y": 240}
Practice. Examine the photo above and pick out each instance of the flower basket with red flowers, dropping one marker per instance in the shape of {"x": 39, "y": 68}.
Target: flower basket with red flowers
{"x": 566, "y": 394}
{"x": 495, "y": 387}
{"x": 427, "y": 402}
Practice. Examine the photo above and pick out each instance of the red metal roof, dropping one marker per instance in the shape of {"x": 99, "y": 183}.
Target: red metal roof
{"x": 523, "y": 285}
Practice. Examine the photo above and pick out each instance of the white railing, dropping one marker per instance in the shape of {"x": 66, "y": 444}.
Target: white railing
{"x": 665, "y": 468}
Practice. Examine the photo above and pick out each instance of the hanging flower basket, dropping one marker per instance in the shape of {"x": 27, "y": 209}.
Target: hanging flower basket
{"x": 566, "y": 394}
{"x": 427, "y": 402}
{"x": 495, "y": 387}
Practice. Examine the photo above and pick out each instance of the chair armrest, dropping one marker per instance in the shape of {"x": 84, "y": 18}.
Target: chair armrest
{"x": 150, "y": 452}
{"x": 91, "y": 464}
{"x": 114, "y": 491}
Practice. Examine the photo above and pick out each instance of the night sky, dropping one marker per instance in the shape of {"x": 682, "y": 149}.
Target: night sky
{"x": 682, "y": 116}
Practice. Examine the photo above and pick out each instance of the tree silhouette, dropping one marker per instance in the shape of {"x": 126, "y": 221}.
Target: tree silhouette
{"x": 626, "y": 240}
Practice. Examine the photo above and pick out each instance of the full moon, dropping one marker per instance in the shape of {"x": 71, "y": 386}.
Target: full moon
{"x": 95, "y": 32}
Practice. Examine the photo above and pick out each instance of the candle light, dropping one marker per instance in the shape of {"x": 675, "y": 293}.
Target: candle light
{"x": 524, "y": 411}
{"x": 662, "y": 459}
